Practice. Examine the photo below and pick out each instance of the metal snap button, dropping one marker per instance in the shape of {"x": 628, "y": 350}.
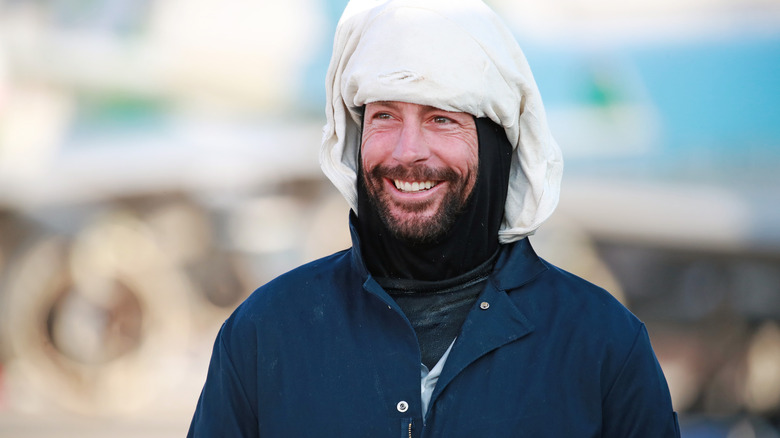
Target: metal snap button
{"x": 402, "y": 406}
{"x": 484, "y": 305}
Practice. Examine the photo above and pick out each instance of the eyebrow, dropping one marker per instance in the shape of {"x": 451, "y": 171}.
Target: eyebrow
{"x": 387, "y": 104}
{"x": 394, "y": 105}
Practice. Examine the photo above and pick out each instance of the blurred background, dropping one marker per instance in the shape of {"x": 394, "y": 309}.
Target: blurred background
{"x": 158, "y": 162}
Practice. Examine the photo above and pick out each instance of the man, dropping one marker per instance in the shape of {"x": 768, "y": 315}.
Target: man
{"x": 440, "y": 321}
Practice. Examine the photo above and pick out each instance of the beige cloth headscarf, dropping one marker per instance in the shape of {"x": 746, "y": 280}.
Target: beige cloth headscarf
{"x": 456, "y": 55}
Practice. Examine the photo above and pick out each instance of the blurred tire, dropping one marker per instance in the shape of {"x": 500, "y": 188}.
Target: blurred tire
{"x": 93, "y": 322}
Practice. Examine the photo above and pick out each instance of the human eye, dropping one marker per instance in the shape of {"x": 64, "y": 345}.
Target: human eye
{"x": 380, "y": 115}
{"x": 441, "y": 119}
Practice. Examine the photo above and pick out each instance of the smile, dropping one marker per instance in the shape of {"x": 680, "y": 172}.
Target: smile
{"x": 415, "y": 186}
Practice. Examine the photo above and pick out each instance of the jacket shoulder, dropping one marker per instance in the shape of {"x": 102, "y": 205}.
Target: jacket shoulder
{"x": 595, "y": 304}
{"x": 301, "y": 286}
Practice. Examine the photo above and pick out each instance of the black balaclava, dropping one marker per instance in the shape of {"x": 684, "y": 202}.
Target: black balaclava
{"x": 471, "y": 240}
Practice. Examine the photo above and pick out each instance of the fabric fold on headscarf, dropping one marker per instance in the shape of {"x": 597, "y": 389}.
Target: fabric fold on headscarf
{"x": 456, "y": 55}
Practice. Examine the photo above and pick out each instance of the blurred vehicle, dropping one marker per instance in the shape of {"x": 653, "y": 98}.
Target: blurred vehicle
{"x": 149, "y": 181}
{"x": 110, "y": 265}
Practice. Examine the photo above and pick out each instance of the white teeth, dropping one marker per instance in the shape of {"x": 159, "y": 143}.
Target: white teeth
{"x": 416, "y": 186}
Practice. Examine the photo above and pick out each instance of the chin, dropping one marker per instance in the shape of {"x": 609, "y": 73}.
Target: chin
{"x": 418, "y": 230}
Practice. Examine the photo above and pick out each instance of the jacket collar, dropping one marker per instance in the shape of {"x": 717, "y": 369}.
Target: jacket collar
{"x": 517, "y": 265}
{"x": 494, "y": 322}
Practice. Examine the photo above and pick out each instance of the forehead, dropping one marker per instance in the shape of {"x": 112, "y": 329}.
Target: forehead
{"x": 410, "y": 107}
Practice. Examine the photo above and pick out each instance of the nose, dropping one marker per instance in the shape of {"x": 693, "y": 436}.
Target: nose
{"x": 410, "y": 146}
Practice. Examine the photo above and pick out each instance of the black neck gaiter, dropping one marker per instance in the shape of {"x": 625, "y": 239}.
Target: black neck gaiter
{"x": 471, "y": 240}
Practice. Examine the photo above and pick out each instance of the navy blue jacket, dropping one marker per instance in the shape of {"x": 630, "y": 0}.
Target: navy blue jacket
{"x": 323, "y": 351}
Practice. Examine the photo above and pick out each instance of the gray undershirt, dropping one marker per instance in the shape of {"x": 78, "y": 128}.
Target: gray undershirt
{"x": 437, "y": 309}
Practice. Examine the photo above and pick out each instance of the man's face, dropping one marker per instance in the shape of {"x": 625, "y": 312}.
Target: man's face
{"x": 419, "y": 166}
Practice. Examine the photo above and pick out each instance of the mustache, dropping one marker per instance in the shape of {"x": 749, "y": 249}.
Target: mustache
{"x": 413, "y": 173}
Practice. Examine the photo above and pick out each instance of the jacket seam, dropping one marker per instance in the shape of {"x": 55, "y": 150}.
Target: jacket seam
{"x": 242, "y": 387}
{"x": 625, "y": 361}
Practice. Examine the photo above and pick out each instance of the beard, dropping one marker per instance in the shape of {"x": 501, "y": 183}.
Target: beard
{"x": 419, "y": 222}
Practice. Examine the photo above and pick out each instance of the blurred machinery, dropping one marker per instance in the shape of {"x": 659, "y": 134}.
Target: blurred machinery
{"x": 95, "y": 315}
{"x": 147, "y": 184}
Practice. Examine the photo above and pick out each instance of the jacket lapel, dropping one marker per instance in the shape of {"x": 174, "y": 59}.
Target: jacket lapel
{"x": 494, "y": 320}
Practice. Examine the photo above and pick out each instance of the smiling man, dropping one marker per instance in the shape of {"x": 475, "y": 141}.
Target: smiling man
{"x": 419, "y": 166}
{"x": 440, "y": 320}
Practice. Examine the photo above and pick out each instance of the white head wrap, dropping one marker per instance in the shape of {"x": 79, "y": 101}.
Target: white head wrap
{"x": 456, "y": 55}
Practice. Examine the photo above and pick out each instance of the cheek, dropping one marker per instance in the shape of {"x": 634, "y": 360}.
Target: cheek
{"x": 367, "y": 155}
{"x": 372, "y": 151}
{"x": 367, "y": 159}
{"x": 467, "y": 151}
{"x": 467, "y": 156}
{"x": 473, "y": 146}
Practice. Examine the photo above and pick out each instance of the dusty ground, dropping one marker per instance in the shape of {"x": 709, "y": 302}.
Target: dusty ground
{"x": 14, "y": 425}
